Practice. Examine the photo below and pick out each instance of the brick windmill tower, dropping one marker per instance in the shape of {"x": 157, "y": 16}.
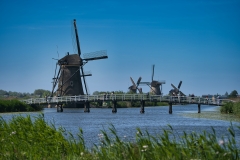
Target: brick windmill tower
{"x": 70, "y": 78}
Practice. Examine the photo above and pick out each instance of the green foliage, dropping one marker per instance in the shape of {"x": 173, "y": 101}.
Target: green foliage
{"x": 107, "y": 92}
{"x": 5, "y": 94}
{"x": 27, "y": 138}
{"x": 95, "y": 93}
{"x": 37, "y": 93}
{"x": 166, "y": 146}
{"x": 24, "y": 138}
{"x": 227, "y": 108}
{"x": 231, "y": 108}
{"x": 233, "y": 94}
{"x": 42, "y": 93}
{"x": 16, "y": 106}
{"x": 226, "y": 94}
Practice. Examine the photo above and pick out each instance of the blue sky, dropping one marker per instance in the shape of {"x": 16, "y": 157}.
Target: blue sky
{"x": 197, "y": 42}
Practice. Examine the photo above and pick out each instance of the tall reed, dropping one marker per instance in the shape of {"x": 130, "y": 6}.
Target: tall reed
{"x": 33, "y": 138}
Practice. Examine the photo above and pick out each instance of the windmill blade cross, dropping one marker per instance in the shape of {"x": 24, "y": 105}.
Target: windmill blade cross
{"x": 153, "y": 72}
{"x": 139, "y": 80}
{"x": 95, "y": 55}
{"x": 77, "y": 39}
{"x": 133, "y": 82}
{"x": 182, "y": 93}
{"x": 147, "y": 83}
{"x": 174, "y": 87}
{"x": 179, "y": 85}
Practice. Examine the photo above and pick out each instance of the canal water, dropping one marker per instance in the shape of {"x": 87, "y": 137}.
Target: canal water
{"x": 126, "y": 120}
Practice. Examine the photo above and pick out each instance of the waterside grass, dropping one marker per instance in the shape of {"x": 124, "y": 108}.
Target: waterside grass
{"x": 231, "y": 108}
{"x": 17, "y": 106}
{"x": 228, "y": 112}
{"x": 33, "y": 138}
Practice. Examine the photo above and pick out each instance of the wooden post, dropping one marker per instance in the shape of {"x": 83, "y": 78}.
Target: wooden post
{"x": 199, "y": 108}
{"x": 86, "y": 107}
{"x": 59, "y": 108}
{"x": 114, "y": 108}
{"x": 142, "y": 106}
{"x": 170, "y": 107}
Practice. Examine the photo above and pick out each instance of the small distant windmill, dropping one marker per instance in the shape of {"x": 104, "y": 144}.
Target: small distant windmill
{"x": 134, "y": 87}
{"x": 155, "y": 86}
{"x": 176, "y": 91}
{"x": 71, "y": 73}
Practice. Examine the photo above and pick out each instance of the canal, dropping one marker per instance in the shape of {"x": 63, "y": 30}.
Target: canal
{"x": 126, "y": 120}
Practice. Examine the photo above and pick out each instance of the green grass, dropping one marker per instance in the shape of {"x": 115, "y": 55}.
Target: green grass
{"x": 33, "y": 138}
{"x": 228, "y": 112}
{"x": 231, "y": 108}
{"x": 17, "y": 106}
{"x": 216, "y": 115}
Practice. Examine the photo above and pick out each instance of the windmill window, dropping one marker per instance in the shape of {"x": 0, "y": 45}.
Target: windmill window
{"x": 71, "y": 83}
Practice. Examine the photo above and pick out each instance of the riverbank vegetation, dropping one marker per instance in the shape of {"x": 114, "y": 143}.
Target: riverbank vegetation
{"x": 17, "y": 106}
{"x": 231, "y": 108}
{"x": 230, "y": 111}
{"x": 38, "y": 93}
{"x": 27, "y": 138}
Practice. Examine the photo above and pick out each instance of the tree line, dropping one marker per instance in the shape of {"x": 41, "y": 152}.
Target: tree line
{"x": 38, "y": 93}
{"x": 41, "y": 93}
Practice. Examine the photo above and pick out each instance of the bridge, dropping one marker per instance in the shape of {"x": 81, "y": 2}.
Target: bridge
{"x": 114, "y": 98}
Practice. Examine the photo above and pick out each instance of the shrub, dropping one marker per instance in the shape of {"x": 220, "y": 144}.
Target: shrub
{"x": 236, "y": 109}
{"x": 17, "y": 106}
{"x": 227, "y": 108}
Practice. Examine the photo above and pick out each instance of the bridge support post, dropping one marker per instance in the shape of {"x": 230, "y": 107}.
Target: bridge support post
{"x": 59, "y": 108}
{"x": 114, "y": 108}
{"x": 199, "y": 108}
{"x": 142, "y": 106}
{"x": 86, "y": 107}
{"x": 170, "y": 107}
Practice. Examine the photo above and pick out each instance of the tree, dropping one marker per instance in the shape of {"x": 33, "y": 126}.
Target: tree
{"x": 42, "y": 92}
{"x": 233, "y": 94}
{"x": 226, "y": 94}
{"x": 95, "y": 93}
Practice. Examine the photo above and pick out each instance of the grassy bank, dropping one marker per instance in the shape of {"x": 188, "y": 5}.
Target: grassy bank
{"x": 17, "y": 106}
{"x": 24, "y": 138}
{"x": 229, "y": 112}
{"x": 231, "y": 108}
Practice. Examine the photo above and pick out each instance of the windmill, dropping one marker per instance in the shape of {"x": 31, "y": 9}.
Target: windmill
{"x": 70, "y": 74}
{"x": 155, "y": 86}
{"x": 134, "y": 87}
{"x": 176, "y": 91}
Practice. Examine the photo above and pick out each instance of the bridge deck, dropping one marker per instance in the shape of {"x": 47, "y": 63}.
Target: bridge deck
{"x": 126, "y": 97}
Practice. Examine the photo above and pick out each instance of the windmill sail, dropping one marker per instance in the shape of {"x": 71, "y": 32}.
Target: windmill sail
{"x": 71, "y": 73}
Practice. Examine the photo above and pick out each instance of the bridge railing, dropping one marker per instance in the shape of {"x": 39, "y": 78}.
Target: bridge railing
{"x": 126, "y": 97}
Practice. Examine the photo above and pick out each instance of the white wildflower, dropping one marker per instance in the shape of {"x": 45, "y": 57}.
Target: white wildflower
{"x": 221, "y": 142}
{"x": 145, "y": 146}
